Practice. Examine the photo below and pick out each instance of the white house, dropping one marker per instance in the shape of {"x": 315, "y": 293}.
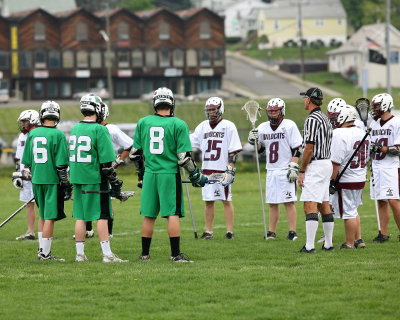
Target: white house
{"x": 352, "y": 59}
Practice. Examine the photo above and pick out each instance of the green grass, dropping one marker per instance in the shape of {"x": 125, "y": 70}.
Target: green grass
{"x": 248, "y": 278}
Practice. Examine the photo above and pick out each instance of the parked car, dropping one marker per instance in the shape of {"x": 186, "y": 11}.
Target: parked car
{"x": 101, "y": 92}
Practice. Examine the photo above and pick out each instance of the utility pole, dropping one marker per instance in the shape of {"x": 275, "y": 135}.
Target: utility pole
{"x": 109, "y": 60}
{"x": 387, "y": 40}
{"x": 300, "y": 31}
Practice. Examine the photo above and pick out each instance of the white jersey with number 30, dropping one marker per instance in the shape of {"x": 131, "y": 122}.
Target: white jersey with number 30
{"x": 216, "y": 143}
{"x": 279, "y": 143}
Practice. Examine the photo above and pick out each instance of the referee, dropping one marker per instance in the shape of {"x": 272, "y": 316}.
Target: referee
{"x": 316, "y": 170}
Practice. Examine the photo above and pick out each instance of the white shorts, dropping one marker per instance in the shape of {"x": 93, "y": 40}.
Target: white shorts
{"x": 216, "y": 192}
{"x": 345, "y": 203}
{"x": 386, "y": 182}
{"x": 278, "y": 187}
{"x": 316, "y": 181}
{"x": 26, "y": 193}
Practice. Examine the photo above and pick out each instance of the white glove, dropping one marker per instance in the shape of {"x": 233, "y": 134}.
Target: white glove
{"x": 253, "y": 136}
{"x": 229, "y": 176}
{"x": 17, "y": 180}
{"x": 117, "y": 162}
{"x": 293, "y": 172}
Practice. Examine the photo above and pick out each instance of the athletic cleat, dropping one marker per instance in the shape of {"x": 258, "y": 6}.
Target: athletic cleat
{"x": 41, "y": 256}
{"x": 270, "y": 235}
{"x": 181, "y": 258}
{"x": 322, "y": 239}
{"x": 304, "y": 250}
{"x": 26, "y": 236}
{"x": 112, "y": 258}
{"x": 89, "y": 234}
{"x": 144, "y": 257}
{"x": 381, "y": 238}
{"x": 229, "y": 236}
{"x": 292, "y": 235}
{"x": 359, "y": 244}
{"x": 346, "y": 246}
{"x": 327, "y": 249}
{"x": 81, "y": 258}
{"x": 206, "y": 236}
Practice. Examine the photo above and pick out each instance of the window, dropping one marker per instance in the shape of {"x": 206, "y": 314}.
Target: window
{"x": 95, "y": 59}
{"x": 121, "y": 89}
{"x": 205, "y": 58}
{"x": 339, "y": 21}
{"x": 82, "y": 60}
{"x": 66, "y": 89}
{"x": 40, "y": 60}
{"x": 178, "y": 58}
{"x": 205, "y": 30}
{"x": 137, "y": 58}
{"x": 123, "y": 31}
{"x": 319, "y": 22}
{"x": 54, "y": 59}
{"x": 68, "y": 59}
{"x": 219, "y": 57}
{"x": 25, "y": 60}
{"x": 276, "y": 25}
{"x": 134, "y": 88}
{"x": 38, "y": 89}
{"x": 163, "y": 32}
{"x": 4, "y": 63}
{"x": 52, "y": 89}
{"x": 394, "y": 57}
{"x": 191, "y": 58}
{"x": 81, "y": 31}
{"x": 164, "y": 58}
{"x": 39, "y": 31}
{"x": 123, "y": 59}
{"x": 151, "y": 58}
{"x": 110, "y": 58}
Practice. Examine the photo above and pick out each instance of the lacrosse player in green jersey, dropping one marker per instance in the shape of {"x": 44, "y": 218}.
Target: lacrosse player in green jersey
{"x": 91, "y": 157}
{"x": 161, "y": 145}
{"x": 46, "y": 154}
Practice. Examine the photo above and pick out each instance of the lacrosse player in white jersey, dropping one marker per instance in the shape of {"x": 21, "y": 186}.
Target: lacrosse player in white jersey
{"x": 27, "y": 120}
{"x": 347, "y": 192}
{"x": 385, "y": 151}
{"x": 281, "y": 139}
{"x": 219, "y": 142}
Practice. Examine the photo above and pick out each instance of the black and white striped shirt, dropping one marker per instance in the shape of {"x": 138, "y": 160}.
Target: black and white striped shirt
{"x": 318, "y": 131}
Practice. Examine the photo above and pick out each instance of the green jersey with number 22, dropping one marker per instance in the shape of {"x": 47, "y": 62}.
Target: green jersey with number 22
{"x": 161, "y": 138}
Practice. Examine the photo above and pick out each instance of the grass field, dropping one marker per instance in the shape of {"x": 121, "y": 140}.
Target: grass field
{"x": 247, "y": 278}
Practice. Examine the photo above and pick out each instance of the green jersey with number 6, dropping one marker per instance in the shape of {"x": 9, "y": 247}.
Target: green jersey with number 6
{"x": 45, "y": 149}
{"x": 161, "y": 138}
{"x": 89, "y": 145}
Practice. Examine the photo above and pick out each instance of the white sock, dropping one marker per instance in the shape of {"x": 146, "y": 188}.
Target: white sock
{"x": 328, "y": 231}
{"x": 46, "y": 245}
{"x": 210, "y": 232}
{"x": 40, "y": 238}
{"x": 105, "y": 247}
{"x": 80, "y": 247}
{"x": 311, "y": 231}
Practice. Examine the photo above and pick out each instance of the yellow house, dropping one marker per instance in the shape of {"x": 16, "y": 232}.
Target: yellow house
{"x": 320, "y": 20}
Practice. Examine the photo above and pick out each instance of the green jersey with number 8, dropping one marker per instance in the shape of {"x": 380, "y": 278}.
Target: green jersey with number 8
{"x": 89, "y": 145}
{"x": 45, "y": 148}
{"x": 161, "y": 138}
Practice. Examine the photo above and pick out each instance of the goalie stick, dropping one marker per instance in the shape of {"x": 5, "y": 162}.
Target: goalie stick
{"x": 16, "y": 212}
{"x": 190, "y": 206}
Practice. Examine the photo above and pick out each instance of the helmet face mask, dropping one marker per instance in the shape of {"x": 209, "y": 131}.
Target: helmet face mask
{"x": 333, "y": 110}
{"x": 104, "y": 111}
{"x": 214, "y": 109}
{"x": 380, "y": 104}
{"x": 28, "y": 120}
{"x": 50, "y": 110}
{"x": 273, "y": 105}
{"x": 163, "y": 96}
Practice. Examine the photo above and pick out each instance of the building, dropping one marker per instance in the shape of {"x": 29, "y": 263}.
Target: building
{"x": 8, "y": 7}
{"x": 362, "y": 58}
{"x": 54, "y": 55}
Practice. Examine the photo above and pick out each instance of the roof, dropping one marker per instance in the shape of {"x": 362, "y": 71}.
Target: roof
{"x": 11, "y": 6}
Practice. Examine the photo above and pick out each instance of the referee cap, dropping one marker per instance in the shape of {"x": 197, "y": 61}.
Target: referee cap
{"x": 314, "y": 93}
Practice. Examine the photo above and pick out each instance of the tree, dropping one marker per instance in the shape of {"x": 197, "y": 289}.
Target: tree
{"x": 174, "y": 4}
{"x": 137, "y": 5}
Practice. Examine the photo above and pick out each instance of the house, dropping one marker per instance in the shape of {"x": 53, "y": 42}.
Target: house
{"x": 362, "y": 58}
{"x": 8, "y": 7}
{"x": 320, "y": 19}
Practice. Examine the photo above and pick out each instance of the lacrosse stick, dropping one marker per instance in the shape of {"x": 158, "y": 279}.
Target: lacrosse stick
{"x": 213, "y": 178}
{"x": 362, "y": 106}
{"x": 190, "y": 206}
{"x": 125, "y": 195}
{"x": 252, "y": 109}
{"x": 16, "y": 212}
{"x": 375, "y": 201}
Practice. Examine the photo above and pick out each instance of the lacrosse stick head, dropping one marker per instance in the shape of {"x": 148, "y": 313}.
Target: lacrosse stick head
{"x": 362, "y": 105}
{"x": 252, "y": 109}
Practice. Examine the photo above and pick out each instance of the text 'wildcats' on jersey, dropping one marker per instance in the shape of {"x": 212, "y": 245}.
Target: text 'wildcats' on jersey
{"x": 89, "y": 145}
{"x": 216, "y": 143}
{"x": 161, "y": 138}
{"x": 279, "y": 143}
{"x": 45, "y": 149}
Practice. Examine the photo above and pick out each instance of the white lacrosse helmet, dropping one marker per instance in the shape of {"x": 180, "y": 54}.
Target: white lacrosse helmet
{"x": 105, "y": 111}
{"x": 214, "y": 108}
{"x": 163, "y": 95}
{"x": 32, "y": 116}
{"x": 385, "y": 103}
{"x": 346, "y": 114}
{"x": 49, "y": 110}
{"x": 276, "y": 104}
{"x": 92, "y": 103}
{"x": 333, "y": 109}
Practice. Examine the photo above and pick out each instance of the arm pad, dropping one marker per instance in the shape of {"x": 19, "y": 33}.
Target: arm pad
{"x": 185, "y": 161}
{"x": 394, "y": 150}
{"x": 232, "y": 158}
{"x": 296, "y": 152}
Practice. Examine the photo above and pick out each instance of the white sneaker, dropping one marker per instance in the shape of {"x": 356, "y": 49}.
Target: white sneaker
{"x": 81, "y": 258}
{"x": 322, "y": 239}
{"x": 26, "y": 236}
{"x": 112, "y": 258}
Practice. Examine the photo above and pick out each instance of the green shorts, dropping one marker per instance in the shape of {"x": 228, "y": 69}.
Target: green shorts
{"x": 50, "y": 200}
{"x": 91, "y": 206}
{"x": 162, "y": 192}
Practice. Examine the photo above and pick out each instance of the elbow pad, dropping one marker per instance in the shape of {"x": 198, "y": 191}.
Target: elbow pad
{"x": 296, "y": 153}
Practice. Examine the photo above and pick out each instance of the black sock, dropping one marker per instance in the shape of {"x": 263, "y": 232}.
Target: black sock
{"x": 89, "y": 226}
{"x": 146, "y": 246}
{"x": 110, "y": 225}
{"x": 175, "y": 250}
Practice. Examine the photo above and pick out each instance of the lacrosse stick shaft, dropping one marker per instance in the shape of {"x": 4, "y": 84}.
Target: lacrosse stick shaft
{"x": 16, "y": 212}
{"x": 190, "y": 204}
{"x": 375, "y": 201}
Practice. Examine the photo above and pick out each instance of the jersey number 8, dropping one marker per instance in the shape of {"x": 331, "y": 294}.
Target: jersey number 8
{"x": 156, "y": 140}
